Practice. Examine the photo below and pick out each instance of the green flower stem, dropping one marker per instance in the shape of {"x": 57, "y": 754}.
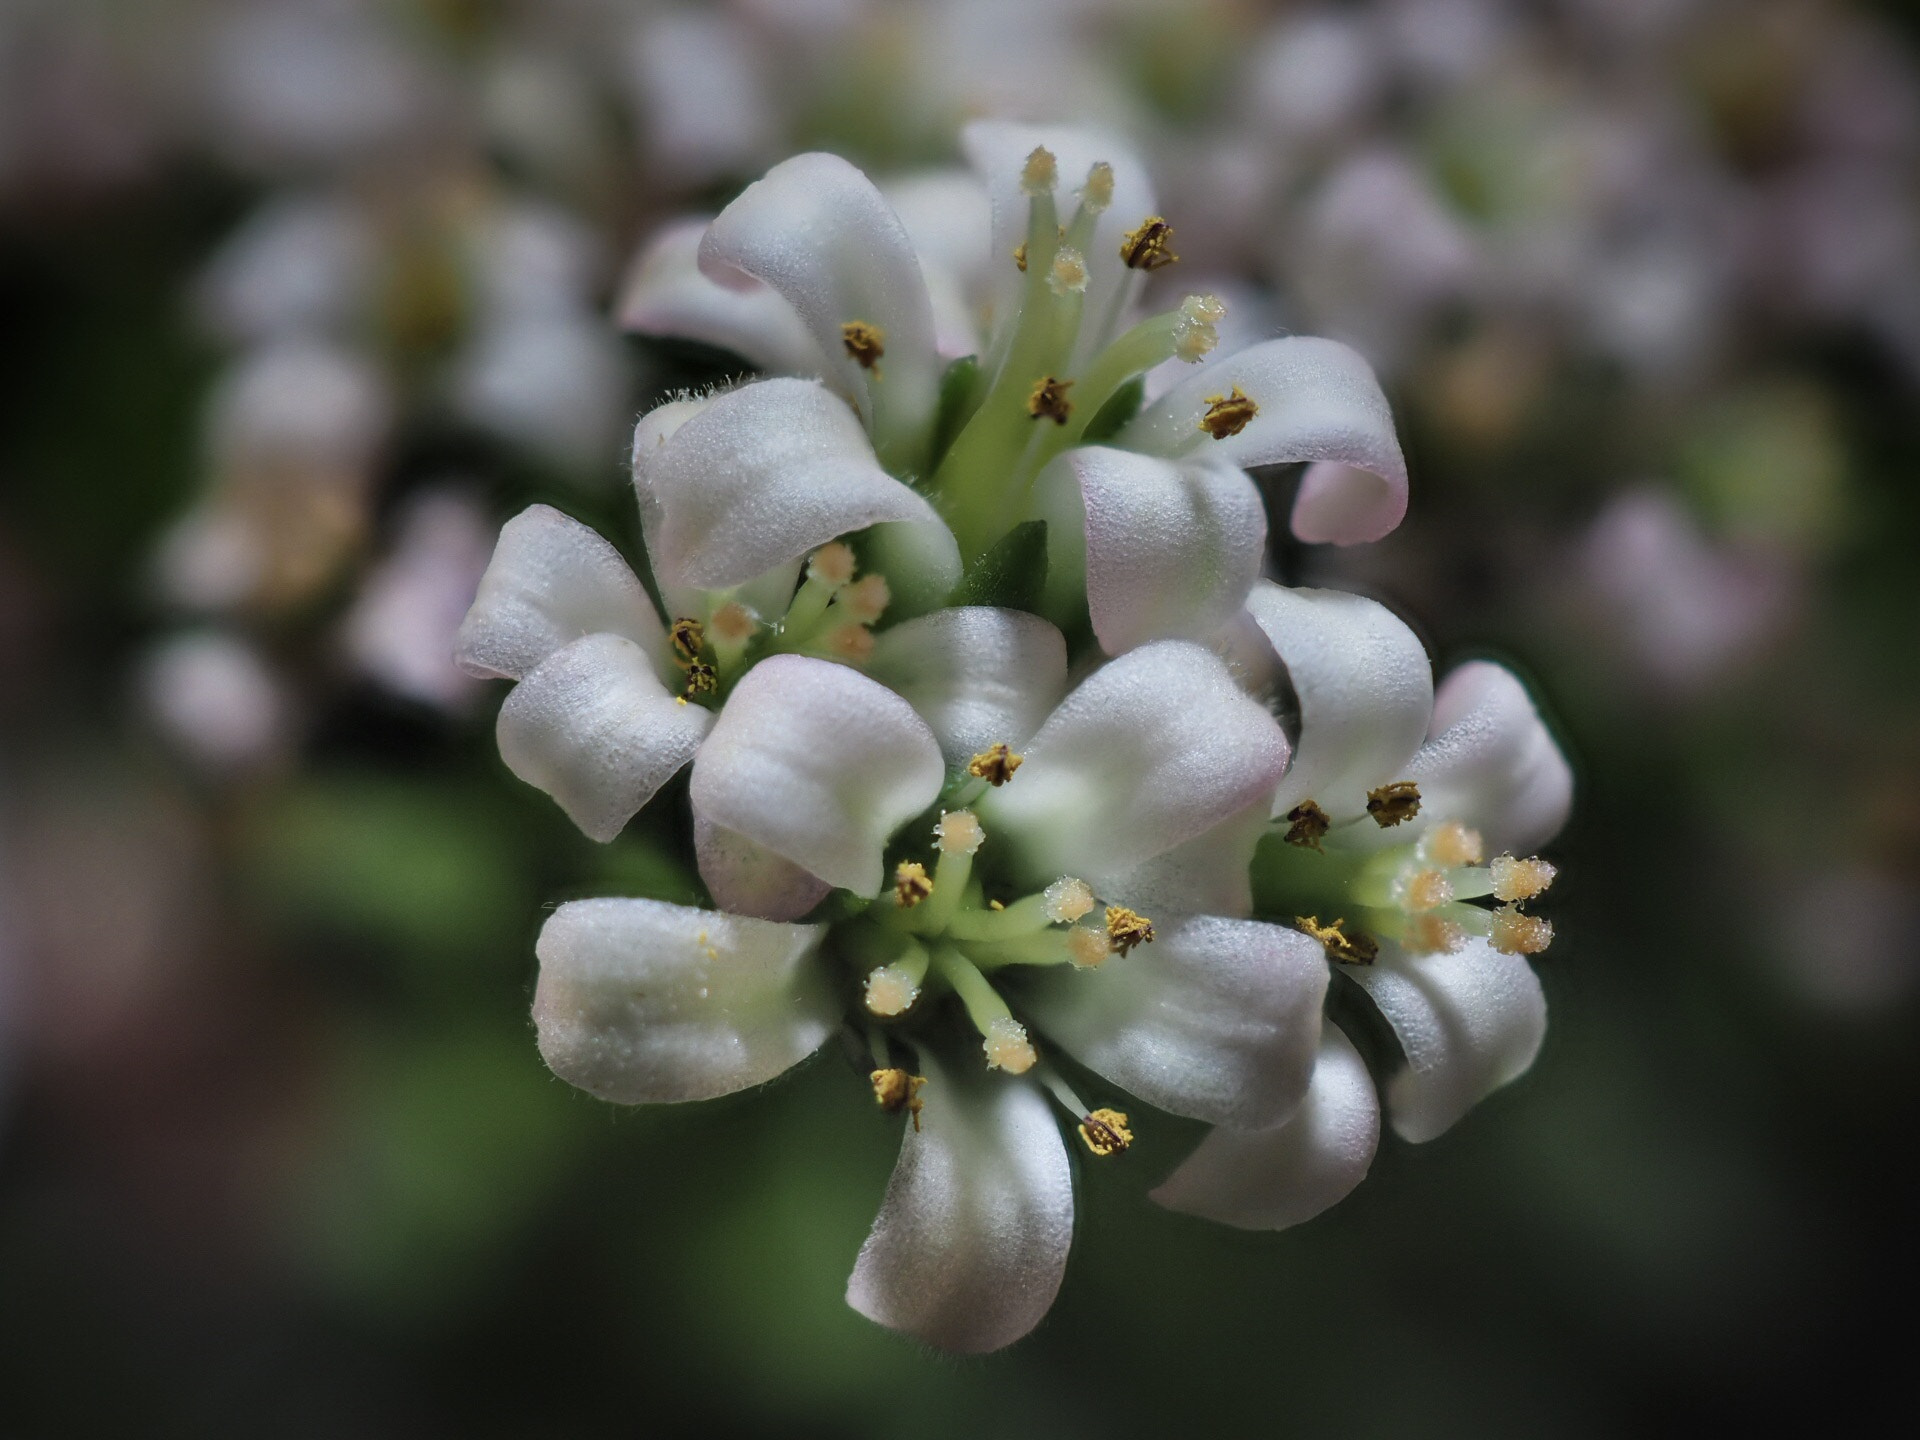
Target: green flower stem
{"x": 1047, "y": 948}
{"x": 1023, "y": 917}
{"x": 982, "y": 1001}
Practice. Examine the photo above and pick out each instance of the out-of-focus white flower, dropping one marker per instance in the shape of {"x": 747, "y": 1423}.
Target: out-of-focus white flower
{"x": 401, "y": 628}
{"x": 216, "y": 701}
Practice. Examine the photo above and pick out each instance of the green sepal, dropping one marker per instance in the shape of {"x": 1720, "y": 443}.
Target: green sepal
{"x": 958, "y": 397}
{"x": 1121, "y": 407}
{"x": 1012, "y": 574}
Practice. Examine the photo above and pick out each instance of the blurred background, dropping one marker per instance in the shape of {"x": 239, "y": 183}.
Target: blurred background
{"x": 302, "y": 298}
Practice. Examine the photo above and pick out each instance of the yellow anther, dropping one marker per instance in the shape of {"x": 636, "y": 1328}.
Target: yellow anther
{"x": 1520, "y": 879}
{"x": 995, "y": 764}
{"x": 959, "y": 832}
{"x": 896, "y": 1090}
{"x": 686, "y": 637}
{"x": 891, "y": 990}
{"x": 1348, "y": 948}
{"x": 852, "y": 643}
{"x": 866, "y": 343}
{"x": 1452, "y": 845}
{"x": 1106, "y": 1132}
{"x": 911, "y": 884}
{"x": 1069, "y": 273}
{"x": 702, "y": 679}
{"x": 1087, "y": 947}
{"x": 1150, "y": 247}
{"x": 1049, "y": 400}
{"x": 996, "y": 905}
{"x": 866, "y": 600}
{"x": 831, "y": 565}
{"x": 1126, "y": 929}
{"x": 1228, "y": 415}
{"x": 1040, "y": 172}
{"x": 733, "y": 623}
{"x": 1067, "y": 899}
{"x": 1020, "y": 257}
{"x": 1425, "y": 890}
{"x": 1007, "y": 1047}
{"x": 1431, "y": 935}
{"x": 1195, "y": 333}
{"x": 1391, "y": 804}
{"x": 1518, "y": 934}
{"x": 1307, "y": 825}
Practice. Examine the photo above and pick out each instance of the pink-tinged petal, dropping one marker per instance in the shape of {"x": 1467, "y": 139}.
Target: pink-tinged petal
{"x": 971, "y": 1241}
{"x": 817, "y": 231}
{"x": 750, "y": 879}
{"x": 1272, "y": 1179}
{"x": 1364, "y": 687}
{"x": 1152, "y": 750}
{"x": 1469, "y": 1022}
{"x": 550, "y": 582}
{"x": 818, "y": 764}
{"x": 643, "y": 1002}
{"x": 593, "y": 727}
{"x": 1215, "y": 1019}
{"x": 1318, "y": 401}
{"x": 1491, "y": 762}
{"x": 978, "y": 676}
{"x": 666, "y": 294}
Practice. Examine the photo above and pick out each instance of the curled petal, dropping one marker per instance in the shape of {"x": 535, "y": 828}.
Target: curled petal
{"x": 1271, "y": 1179}
{"x": 665, "y": 294}
{"x": 750, "y": 879}
{"x": 550, "y": 582}
{"x": 1469, "y": 1022}
{"x": 1207, "y": 875}
{"x": 641, "y": 1002}
{"x": 1153, "y": 749}
{"x": 1318, "y": 401}
{"x": 759, "y": 477}
{"x": 1365, "y": 692}
{"x": 817, "y": 231}
{"x": 1491, "y": 762}
{"x": 818, "y": 764}
{"x": 971, "y": 1241}
{"x": 1216, "y": 1019}
{"x": 978, "y": 676}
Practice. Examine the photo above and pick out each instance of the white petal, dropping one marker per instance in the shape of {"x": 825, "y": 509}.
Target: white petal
{"x": 1492, "y": 763}
{"x": 820, "y": 765}
{"x": 1215, "y": 1019}
{"x": 550, "y": 582}
{"x": 750, "y": 879}
{"x": 1207, "y": 875}
{"x": 1318, "y": 401}
{"x": 1469, "y": 1022}
{"x": 971, "y": 1241}
{"x": 1271, "y": 1179}
{"x": 1153, "y": 749}
{"x": 761, "y": 476}
{"x": 817, "y": 231}
{"x": 593, "y": 727}
{"x": 978, "y": 676}
{"x": 640, "y": 1001}
{"x": 1169, "y": 548}
{"x": 665, "y": 294}
{"x": 1365, "y": 691}
{"x": 950, "y": 222}
{"x": 921, "y": 561}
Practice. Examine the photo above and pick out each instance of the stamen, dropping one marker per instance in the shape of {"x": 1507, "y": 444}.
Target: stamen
{"x": 1348, "y": 949}
{"x": 1067, "y": 899}
{"x": 891, "y": 990}
{"x": 852, "y": 643}
{"x": 1150, "y": 247}
{"x": 1040, "y": 173}
{"x": 1520, "y": 879}
{"x": 911, "y": 884}
{"x": 1307, "y": 825}
{"x": 1517, "y": 934}
{"x": 866, "y": 600}
{"x": 1069, "y": 273}
{"x": 1020, "y": 257}
{"x": 896, "y": 1090}
{"x": 1391, "y": 804}
{"x": 1087, "y": 947}
{"x": 1425, "y": 890}
{"x": 733, "y": 623}
{"x": 1106, "y": 1132}
{"x": 995, "y": 764}
{"x": 1228, "y": 415}
{"x": 960, "y": 832}
{"x": 1007, "y": 1047}
{"x": 702, "y": 679}
{"x": 1432, "y": 935}
{"x": 1452, "y": 845}
{"x": 831, "y": 565}
{"x": 1194, "y": 333}
{"x": 1049, "y": 400}
{"x": 1098, "y": 193}
{"x": 1126, "y": 929}
{"x": 865, "y": 342}
{"x": 687, "y": 637}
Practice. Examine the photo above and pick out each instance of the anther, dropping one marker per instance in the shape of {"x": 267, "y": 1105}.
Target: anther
{"x": 995, "y": 764}
{"x": 1228, "y": 415}
{"x": 1452, "y": 845}
{"x": 1425, "y": 890}
{"x": 687, "y": 637}
{"x": 1126, "y": 929}
{"x": 1517, "y": 934}
{"x": 1007, "y": 1047}
{"x": 1307, "y": 825}
{"x": 866, "y": 600}
{"x": 1106, "y": 1132}
{"x": 1195, "y": 333}
{"x": 1520, "y": 879}
{"x": 896, "y": 1090}
{"x": 1038, "y": 175}
{"x": 1067, "y": 899}
{"x": 852, "y": 643}
{"x": 1348, "y": 949}
{"x": 1020, "y": 257}
{"x": 1049, "y": 400}
{"x": 1391, "y": 804}
{"x": 959, "y": 832}
{"x": 911, "y": 884}
{"x": 891, "y": 990}
{"x": 1098, "y": 194}
{"x": 1087, "y": 947}
{"x": 1150, "y": 247}
{"x": 865, "y": 342}
{"x": 1069, "y": 273}
{"x": 732, "y": 623}
{"x": 831, "y": 565}
{"x": 702, "y": 679}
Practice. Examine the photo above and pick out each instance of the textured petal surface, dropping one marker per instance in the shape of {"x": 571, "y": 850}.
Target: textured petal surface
{"x": 760, "y": 476}
{"x": 1492, "y": 763}
{"x": 820, "y": 765}
{"x": 1152, "y": 750}
{"x": 750, "y": 879}
{"x": 1207, "y": 875}
{"x": 1271, "y": 1179}
{"x": 950, "y": 222}
{"x": 593, "y": 727}
{"x": 816, "y": 230}
{"x": 1365, "y": 692}
{"x": 640, "y": 1001}
{"x": 551, "y": 581}
{"x": 1216, "y": 1019}
{"x": 977, "y": 675}
{"x": 1469, "y": 1022}
{"x": 1318, "y": 401}
{"x": 666, "y": 294}
{"x": 971, "y": 1241}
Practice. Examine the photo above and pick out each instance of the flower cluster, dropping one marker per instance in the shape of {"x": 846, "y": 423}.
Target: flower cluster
{"x": 1004, "y": 760}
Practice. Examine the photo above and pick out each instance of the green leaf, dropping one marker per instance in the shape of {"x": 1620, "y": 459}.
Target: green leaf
{"x": 1012, "y": 574}
{"x": 1121, "y": 407}
{"x": 957, "y": 398}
